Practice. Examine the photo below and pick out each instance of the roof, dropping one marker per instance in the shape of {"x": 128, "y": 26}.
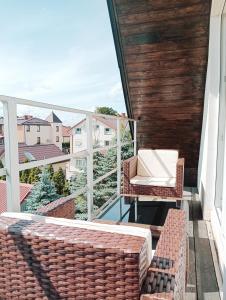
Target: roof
{"x": 66, "y": 130}
{"x": 34, "y": 121}
{"x": 52, "y": 118}
{"x": 111, "y": 123}
{"x": 28, "y": 121}
{"x": 36, "y": 152}
{"x": 25, "y": 190}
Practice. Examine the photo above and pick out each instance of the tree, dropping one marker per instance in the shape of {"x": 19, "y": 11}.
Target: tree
{"x": 34, "y": 175}
{"x": 42, "y": 193}
{"x": 59, "y": 181}
{"x": 51, "y": 170}
{"x": 78, "y": 181}
{"x": 1, "y": 167}
{"x": 24, "y": 176}
{"x": 66, "y": 189}
{"x": 106, "y": 111}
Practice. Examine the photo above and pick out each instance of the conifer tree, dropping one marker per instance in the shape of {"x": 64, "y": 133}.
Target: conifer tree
{"x": 42, "y": 193}
{"x": 51, "y": 170}
{"x": 24, "y": 176}
{"x": 34, "y": 175}
{"x": 59, "y": 181}
{"x": 2, "y": 166}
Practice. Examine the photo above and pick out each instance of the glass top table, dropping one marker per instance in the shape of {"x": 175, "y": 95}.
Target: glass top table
{"x": 142, "y": 210}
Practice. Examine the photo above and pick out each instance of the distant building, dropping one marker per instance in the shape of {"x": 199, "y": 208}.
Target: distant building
{"x": 32, "y": 130}
{"x": 66, "y": 132}
{"x": 104, "y": 133}
{"x": 25, "y": 190}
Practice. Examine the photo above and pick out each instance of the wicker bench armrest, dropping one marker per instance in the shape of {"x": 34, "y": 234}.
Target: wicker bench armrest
{"x": 130, "y": 167}
{"x": 180, "y": 176}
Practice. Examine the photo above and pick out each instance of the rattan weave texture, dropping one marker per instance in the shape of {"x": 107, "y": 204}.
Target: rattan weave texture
{"x": 47, "y": 261}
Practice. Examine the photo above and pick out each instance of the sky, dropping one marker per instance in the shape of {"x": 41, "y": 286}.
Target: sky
{"x": 59, "y": 52}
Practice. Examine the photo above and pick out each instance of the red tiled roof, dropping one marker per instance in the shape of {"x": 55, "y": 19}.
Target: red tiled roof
{"x": 25, "y": 190}
{"x": 111, "y": 123}
{"x": 66, "y": 131}
{"x": 39, "y": 152}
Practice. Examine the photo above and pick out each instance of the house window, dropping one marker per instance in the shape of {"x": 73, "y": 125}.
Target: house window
{"x": 57, "y": 128}
{"x": 97, "y": 126}
{"x": 106, "y": 143}
{"x": 107, "y": 130}
{"x": 80, "y": 163}
{"x": 1, "y": 129}
{"x": 38, "y": 140}
{"x": 57, "y": 139}
{"x": 28, "y": 129}
{"x": 38, "y": 128}
{"x": 1, "y": 141}
{"x": 78, "y": 130}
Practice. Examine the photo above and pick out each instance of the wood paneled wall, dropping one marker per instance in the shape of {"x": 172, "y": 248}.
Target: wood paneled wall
{"x": 162, "y": 48}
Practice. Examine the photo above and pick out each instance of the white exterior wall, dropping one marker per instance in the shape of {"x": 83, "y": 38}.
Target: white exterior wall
{"x": 209, "y": 152}
{"x": 54, "y": 134}
{"x": 32, "y": 135}
{"x": 98, "y": 135}
{"x": 78, "y": 142}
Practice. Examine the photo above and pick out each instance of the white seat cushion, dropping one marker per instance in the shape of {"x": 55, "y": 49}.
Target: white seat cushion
{"x": 153, "y": 181}
{"x": 157, "y": 163}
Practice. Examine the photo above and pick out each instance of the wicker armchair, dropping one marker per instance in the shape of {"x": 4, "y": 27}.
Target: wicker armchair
{"x": 158, "y": 173}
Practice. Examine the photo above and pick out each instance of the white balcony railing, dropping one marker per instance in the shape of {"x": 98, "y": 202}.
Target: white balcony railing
{"x": 13, "y": 167}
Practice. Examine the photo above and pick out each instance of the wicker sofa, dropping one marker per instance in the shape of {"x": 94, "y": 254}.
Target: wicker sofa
{"x": 159, "y": 173}
{"x": 44, "y": 260}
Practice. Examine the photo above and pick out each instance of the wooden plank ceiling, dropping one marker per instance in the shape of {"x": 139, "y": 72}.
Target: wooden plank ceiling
{"x": 162, "y": 49}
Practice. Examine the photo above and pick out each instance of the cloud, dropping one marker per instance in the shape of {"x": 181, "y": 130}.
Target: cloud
{"x": 116, "y": 90}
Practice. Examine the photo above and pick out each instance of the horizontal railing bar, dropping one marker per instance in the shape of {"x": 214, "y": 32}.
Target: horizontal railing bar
{"x": 78, "y": 193}
{"x": 111, "y": 147}
{"x": 104, "y": 148}
{"x": 2, "y": 172}
{"x": 127, "y": 143}
{"x": 58, "y": 107}
{"x": 105, "y": 206}
{"x": 48, "y": 161}
{"x": 99, "y": 179}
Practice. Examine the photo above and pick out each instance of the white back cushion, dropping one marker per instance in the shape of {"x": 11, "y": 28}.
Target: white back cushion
{"x": 157, "y": 163}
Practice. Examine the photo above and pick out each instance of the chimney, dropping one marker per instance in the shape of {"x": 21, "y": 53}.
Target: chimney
{"x": 28, "y": 117}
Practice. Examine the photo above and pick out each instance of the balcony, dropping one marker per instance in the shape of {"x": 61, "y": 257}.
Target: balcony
{"x": 117, "y": 209}
{"x": 129, "y": 247}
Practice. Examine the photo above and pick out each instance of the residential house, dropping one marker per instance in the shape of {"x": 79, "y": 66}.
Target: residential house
{"x": 66, "y": 133}
{"x": 104, "y": 132}
{"x": 25, "y": 190}
{"x": 32, "y": 130}
{"x": 56, "y": 129}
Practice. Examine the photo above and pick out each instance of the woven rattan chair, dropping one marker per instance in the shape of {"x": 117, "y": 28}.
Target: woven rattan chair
{"x": 157, "y": 173}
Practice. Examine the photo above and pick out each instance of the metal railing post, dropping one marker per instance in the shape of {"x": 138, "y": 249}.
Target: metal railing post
{"x": 118, "y": 157}
{"x": 11, "y": 156}
{"x": 135, "y": 138}
{"x": 89, "y": 129}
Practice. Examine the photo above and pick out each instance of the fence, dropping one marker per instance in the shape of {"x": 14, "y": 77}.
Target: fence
{"x": 13, "y": 167}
